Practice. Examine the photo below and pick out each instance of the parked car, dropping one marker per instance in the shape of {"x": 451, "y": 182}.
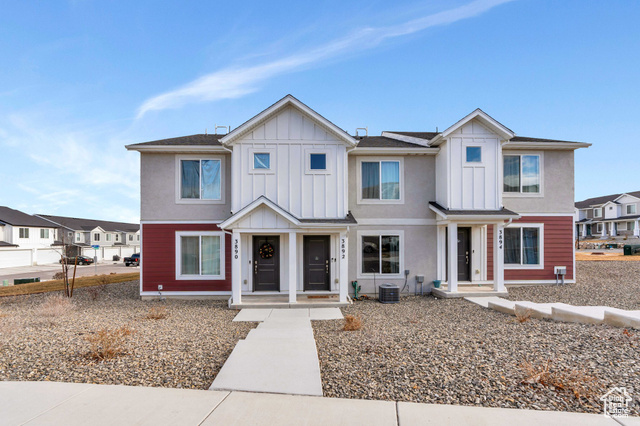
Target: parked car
{"x": 133, "y": 260}
{"x": 82, "y": 260}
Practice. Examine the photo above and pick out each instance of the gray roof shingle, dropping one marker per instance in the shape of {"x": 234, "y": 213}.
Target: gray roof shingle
{"x": 18, "y": 218}
{"x": 595, "y": 201}
{"x": 78, "y": 224}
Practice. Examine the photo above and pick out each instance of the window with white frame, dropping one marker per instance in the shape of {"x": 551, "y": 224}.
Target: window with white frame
{"x": 380, "y": 180}
{"x": 474, "y": 154}
{"x": 631, "y": 226}
{"x": 631, "y": 209}
{"x": 130, "y": 237}
{"x": 96, "y": 237}
{"x": 523, "y": 245}
{"x": 521, "y": 174}
{"x": 138, "y": 237}
{"x": 599, "y": 228}
{"x": 380, "y": 253}
{"x": 317, "y": 161}
{"x": 199, "y": 255}
{"x": 23, "y": 232}
{"x": 44, "y": 233}
{"x": 597, "y": 212}
{"x": 77, "y": 237}
{"x": 117, "y": 237}
{"x": 108, "y": 237}
{"x": 261, "y": 161}
{"x": 201, "y": 179}
{"x": 621, "y": 226}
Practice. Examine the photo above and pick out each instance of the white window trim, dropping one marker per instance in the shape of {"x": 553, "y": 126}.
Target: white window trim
{"x": 307, "y": 161}
{"x": 599, "y": 227}
{"x": 619, "y": 226}
{"x": 77, "y": 237}
{"x": 524, "y": 194}
{"x": 179, "y": 276}
{"x": 597, "y": 212}
{"x": 272, "y": 161}
{"x": 540, "y": 227}
{"x": 635, "y": 209}
{"x": 107, "y": 237}
{"x": 473, "y": 163}
{"x": 94, "y": 236}
{"x": 359, "y": 161}
{"x": 44, "y": 231}
{"x": 23, "y": 233}
{"x": 378, "y": 233}
{"x": 178, "y": 179}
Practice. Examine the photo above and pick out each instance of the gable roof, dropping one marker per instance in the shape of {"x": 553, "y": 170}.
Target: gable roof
{"x": 196, "y": 140}
{"x": 287, "y": 101}
{"x": 596, "y": 201}
{"x": 78, "y": 224}
{"x": 18, "y": 218}
{"x": 494, "y": 125}
{"x": 384, "y": 142}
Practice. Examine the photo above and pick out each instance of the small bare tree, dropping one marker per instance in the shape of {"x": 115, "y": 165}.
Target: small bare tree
{"x": 64, "y": 254}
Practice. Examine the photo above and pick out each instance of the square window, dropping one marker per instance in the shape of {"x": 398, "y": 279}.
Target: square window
{"x": 261, "y": 160}
{"x": 521, "y": 173}
{"x": 318, "y": 161}
{"x": 24, "y": 232}
{"x": 44, "y": 233}
{"x": 380, "y": 180}
{"x": 380, "y": 254}
{"x": 631, "y": 209}
{"x": 200, "y": 179}
{"x": 474, "y": 154}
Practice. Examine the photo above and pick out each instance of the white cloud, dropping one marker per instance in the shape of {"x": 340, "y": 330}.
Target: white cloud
{"x": 235, "y": 82}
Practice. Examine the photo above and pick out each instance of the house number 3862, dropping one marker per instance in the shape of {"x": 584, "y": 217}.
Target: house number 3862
{"x": 235, "y": 249}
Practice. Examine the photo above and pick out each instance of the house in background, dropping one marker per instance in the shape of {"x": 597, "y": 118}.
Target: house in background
{"x": 26, "y": 240}
{"x": 290, "y": 204}
{"x": 113, "y": 238}
{"x": 609, "y": 216}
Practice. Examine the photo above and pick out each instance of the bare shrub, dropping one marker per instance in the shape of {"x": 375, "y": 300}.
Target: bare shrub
{"x": 103, "y": 279}
{"x": 55, "y": 306}
{"x": 583, "y": 386}
{"x": 352, "y": 323}
{"x": 107, "y": 344}
{"x": 157, "y": 313}
{"x": 94, "y": 292}
{"x": 522, "y": 315}
{"x": 58, "y": 276}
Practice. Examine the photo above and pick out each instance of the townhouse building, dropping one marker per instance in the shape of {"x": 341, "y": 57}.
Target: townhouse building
{"x": 609, "y": 216}
{"x": 25, "y": 240}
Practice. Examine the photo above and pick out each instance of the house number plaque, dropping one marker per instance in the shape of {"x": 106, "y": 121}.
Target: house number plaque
{"x": 343, "y": 250}
{"x": 500, "y": 239}
{"x": 235, "y": 248}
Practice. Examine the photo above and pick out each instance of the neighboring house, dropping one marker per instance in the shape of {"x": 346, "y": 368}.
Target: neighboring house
{"x": 289, "y": 203}
{"x": 609, "y": 216}
{"x": 113, "y": 238}
{"x": 25, "y": 240}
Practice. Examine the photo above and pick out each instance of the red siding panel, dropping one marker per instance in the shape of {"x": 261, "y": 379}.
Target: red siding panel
{"x": 558, "y": 249}
{"x": 159, "y": 259}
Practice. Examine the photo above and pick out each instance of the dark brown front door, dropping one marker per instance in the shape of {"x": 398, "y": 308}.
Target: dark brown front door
{"x": 464, "y": 254}
{"x": 266, "y": 263}
{"x": 317, "y": 263}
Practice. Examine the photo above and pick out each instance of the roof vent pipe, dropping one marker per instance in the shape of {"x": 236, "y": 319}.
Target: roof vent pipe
{"x": 226, "y": 128}
{"x": 366, "y": 131}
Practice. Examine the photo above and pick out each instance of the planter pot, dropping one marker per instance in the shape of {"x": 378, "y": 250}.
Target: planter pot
{"x": 436, "y": 283}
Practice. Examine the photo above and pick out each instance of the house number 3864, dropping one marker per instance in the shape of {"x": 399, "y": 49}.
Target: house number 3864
{"x": 235, "y": 249}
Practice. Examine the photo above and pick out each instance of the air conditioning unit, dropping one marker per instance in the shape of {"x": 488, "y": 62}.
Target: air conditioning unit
{"x": 388, "y": 293}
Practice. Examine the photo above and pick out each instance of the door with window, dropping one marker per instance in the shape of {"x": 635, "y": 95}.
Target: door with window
{"x": 266, "y": 263}
{"x": 464, "y": 254}
{"x": 317, "y": 263}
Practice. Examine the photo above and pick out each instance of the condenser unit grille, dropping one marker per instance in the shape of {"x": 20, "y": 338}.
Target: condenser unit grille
{"x": 389, "y": 293}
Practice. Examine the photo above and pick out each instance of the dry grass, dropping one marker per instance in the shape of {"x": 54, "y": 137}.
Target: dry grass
{"x": 107, "y": 344}
{"x": 58, "y": 285}
{"x": 103, "y": 279}
{"x": 157, "y": 313}
{"x": 583, "y": 386}
{"x": 522, "y": 315}
{"x": 606, "y": 256}
{"x": 54, "y": 307}
{"x": 352, "y": 323}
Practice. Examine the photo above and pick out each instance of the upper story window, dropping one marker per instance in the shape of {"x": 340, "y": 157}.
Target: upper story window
{"x": 130, "y": 237}
{"x": 23, "y": 232}
{"x": 262, "y": 161}
{"x": 200, "y": 179}
{"x": 474, "y": 154}
{"x": 96, "y": 237}
{"x": 117, "y": 237}
{"x": 631, "y": 209}
{"x": 522, "y": 246}
{"x": 108, "y": 237}
{"x": 318, "y": 161}
{"x": 44, "y": 233}
{"x": 77, "y": 237}
{"x": 597, "y": 212}
{"x": 380, "y": 180}
{"x": 522, "y": 173}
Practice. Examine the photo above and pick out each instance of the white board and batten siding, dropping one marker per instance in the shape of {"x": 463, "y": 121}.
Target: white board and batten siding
{"x": 469, "y": 186}
{"x": 290, "y": 137}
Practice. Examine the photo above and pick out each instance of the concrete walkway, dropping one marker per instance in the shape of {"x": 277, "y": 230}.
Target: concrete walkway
{"x": 70, "y": 404}
{"x": 279, "y": 356}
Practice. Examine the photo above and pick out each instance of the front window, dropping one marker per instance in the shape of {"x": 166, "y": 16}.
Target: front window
{"x": 96, "y": 237}
{"x": 522, "y": 246}
{"x": 200, "y": 179}
{"x": 380, "y": 180}
{"x": 599, "y": 228}
{"x": 200, "y": 255}
{"x": 631, "y": 209}
{"x": 381, "y": 254}
{"x": 77, "y": 237}
{"x": 597, "y": 212}
{"x": 44, "y": 233}
{"x": 521, "y": 173}
{"x": 474, "y": 154}
{"x": 23, "y": 232}
{"x": 261, "y": 161}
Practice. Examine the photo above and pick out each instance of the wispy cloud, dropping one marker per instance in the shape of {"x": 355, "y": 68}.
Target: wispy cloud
{"x": 235, "y": 82}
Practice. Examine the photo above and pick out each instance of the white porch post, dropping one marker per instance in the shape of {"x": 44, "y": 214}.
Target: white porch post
{"x": 452, "y": 279}
{"x": 236, "y": 262}
{"x": 343, "y": 254}
{"x": 498, "y": 257}
{"x": 293, "y": 278}
{"x": 636, "y": 228}
{"x": 604, "y": 229}
{"x": 584, "y": 230}
{"x": 613, "y": 229}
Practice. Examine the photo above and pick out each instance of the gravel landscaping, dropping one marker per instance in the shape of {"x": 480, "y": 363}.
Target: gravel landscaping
{"x": 184, "y": 350}
{"x": 455, "y": 352}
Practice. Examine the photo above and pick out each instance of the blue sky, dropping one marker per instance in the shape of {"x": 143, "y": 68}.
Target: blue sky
{"x": 80, "y": 79}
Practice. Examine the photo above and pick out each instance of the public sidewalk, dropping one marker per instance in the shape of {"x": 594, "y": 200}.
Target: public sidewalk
{"x": 50, "y": 403}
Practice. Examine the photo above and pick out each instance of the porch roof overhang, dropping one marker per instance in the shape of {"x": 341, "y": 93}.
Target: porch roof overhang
{"x": 472, "y": 216}
{"x": 297, "y": 222}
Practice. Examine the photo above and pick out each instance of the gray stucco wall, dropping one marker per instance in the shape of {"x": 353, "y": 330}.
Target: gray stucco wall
{"x": 558, "y": 184}
{"x": 158, "y": 183}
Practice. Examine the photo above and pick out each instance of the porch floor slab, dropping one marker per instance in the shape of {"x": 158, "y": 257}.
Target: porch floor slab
{"x": 282, "y": 302}
{"x": 468, "y": 291}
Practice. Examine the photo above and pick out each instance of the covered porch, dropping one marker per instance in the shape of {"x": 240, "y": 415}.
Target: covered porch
{"x": 281, "y": 261}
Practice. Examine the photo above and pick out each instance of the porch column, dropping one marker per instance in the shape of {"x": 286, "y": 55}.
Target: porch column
{"x": 613, "y": 229}
{"x": 293, "y": 276}
{"x": 452, "y": 280}
{"x": 584, "y": 230}
{"x": 343, "y": 254}
{"x": 636, "y": 228}
{"x": 498, "y": 257}
{"x": 236, "y": 267}
{"x": 604, "y": 229}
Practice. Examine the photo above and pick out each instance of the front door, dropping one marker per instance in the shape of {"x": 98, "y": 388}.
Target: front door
{"x": 266, "y": 263}
{"x": 464, "y": 254}
{"x": 317, "y": 263}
